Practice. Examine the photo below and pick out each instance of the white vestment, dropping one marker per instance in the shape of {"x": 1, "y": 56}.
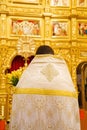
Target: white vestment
{"x": 45, "y": 97}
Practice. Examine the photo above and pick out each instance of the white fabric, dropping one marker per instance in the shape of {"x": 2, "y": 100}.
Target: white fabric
{"x": 45, "y": 112}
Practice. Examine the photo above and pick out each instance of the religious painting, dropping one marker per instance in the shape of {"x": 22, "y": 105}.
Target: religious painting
{"x": 60, "y": 2}
{"x": 82, "y": 29}
{"x": 60, "y": 28}
{"x": 81, "y": 3}
{"x": 25, "y": 27}
{"x": 25, "y": 1}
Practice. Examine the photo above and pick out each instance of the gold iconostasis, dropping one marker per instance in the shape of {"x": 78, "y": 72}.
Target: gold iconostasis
{"x": 26, "y": 24}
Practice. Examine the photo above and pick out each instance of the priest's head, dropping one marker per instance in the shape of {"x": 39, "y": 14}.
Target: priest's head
{"x": 44, "y": 49}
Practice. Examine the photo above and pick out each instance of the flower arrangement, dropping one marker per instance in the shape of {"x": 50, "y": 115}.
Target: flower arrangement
{"x": 14, "y": 76}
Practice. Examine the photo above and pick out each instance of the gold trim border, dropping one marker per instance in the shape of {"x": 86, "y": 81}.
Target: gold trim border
{"x": 45, "y": 92}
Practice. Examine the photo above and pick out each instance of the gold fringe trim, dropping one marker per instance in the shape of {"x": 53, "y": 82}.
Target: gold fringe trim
{"x": 45, "y": 92}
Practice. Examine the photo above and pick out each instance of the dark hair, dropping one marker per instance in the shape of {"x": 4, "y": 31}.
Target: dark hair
{"x": 44, "y": 49}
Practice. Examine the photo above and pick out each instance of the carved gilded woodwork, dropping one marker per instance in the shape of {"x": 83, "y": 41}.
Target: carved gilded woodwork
{"x": 73, "y": 47}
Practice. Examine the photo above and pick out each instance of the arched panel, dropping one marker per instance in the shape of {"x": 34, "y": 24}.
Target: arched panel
{"x": 17, "y": 62}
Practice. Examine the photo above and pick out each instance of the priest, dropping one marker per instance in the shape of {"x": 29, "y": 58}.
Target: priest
{"x": 45, "y": 97}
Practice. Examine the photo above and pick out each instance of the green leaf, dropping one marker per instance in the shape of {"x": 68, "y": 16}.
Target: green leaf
{"x": 14, "y": 80}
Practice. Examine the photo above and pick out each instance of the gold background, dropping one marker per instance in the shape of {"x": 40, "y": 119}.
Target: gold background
{"x": 72, "y": 48}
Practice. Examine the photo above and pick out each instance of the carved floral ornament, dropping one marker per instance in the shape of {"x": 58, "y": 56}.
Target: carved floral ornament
{"x": 25, "y": 46}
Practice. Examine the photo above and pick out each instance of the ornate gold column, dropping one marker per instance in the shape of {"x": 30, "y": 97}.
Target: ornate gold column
{"x": 3, "y": 90}
{"x": 47, "y": 18}
{"x": 74, "y": 49}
